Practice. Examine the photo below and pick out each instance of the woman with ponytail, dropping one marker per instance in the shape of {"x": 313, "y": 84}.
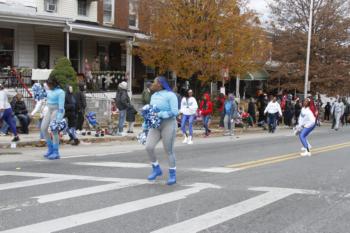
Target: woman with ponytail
{"x": 166, "y": 103}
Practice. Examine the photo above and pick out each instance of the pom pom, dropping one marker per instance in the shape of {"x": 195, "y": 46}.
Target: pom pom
{"x": 151, "y": 119}
{"x": 39, "y": 92}
{"x": 58, "y": 126}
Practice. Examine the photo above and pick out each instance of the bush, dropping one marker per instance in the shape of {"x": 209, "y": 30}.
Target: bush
{"x": 65, "y": 73}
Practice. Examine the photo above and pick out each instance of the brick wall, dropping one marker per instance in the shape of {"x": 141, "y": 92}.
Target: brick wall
{"x": 121, "y": 14}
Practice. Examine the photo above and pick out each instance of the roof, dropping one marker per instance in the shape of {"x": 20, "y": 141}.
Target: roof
{"x": 258, "y": 75}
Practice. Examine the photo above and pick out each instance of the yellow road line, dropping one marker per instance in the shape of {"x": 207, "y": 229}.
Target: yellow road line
{"x": 282, "y": 158}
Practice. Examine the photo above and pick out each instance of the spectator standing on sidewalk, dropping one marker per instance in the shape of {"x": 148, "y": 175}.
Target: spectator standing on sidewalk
{"x": 206, "y": 110}
{"x": 146, "y": 94}
{"x": 220, "y": 105}
{"x": 6, "y": 113}
{"x": 338, "y": 111}
{"x": 166, "y": 102}
{"x": 123, "y": 103}
{"x": 188, "y": 109}
{"x": 251, "y": 109}
{"x": 297, "y": 110}
{"x": 231, "y": 112}
{"x": 274, "y": 111}
{"x": 131, "y": 118}
{"x": 288, "y": 112}
{"x": 81, "y": 107}
{"x": 21, "y": 112}
{"x": 327, "y": 111}
{"x": 71, "y": 113}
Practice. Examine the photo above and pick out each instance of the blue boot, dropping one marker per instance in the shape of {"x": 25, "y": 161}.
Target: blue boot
{"x": 155, "y": 172}
{"x": 55, "y": 154}
{"x": 49, "y": 149}
{"x": 172, "y": 176}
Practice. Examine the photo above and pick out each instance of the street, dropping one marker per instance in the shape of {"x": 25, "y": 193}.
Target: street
{"x": 251, "y": 183}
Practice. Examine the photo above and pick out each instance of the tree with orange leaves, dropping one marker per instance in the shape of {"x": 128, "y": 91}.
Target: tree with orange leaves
{"x": 201, "y": 37}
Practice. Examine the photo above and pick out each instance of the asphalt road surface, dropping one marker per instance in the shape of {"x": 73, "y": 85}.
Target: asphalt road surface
{"x": 254, "y": 183}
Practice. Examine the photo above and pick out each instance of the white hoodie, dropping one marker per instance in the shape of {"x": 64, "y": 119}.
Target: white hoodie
{"x": 273, "y": 107}
{"x": 189, "y": 106}
{"x": 4, "y": 102}
{"x": 306, "y": 118}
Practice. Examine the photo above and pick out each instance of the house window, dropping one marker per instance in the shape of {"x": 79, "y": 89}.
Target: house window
{"x": 6, "y": 47}
{"x": 82, "y": 7}
{"x": 50, "y": 5}
{"x": 133, "y": 17}
{"x": 108, "y": 11}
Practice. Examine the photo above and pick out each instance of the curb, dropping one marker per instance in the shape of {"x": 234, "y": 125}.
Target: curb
{"x": 33, "y": 143}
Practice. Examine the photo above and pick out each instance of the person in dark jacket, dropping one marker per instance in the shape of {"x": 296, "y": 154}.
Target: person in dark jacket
{"x": 71, "y": 113}
{"x": 123, "y": 103}
{"x": 21, "y": 112}
{"x": 297, "y": 111}
{"x": 327, "y": 111}
{"x": 131, "y": 118}
{"x": 252, "y": 110}
{"x": 220, "y": 103}
{"x": 288, "y": 113}
{"x": 81, "y": 105}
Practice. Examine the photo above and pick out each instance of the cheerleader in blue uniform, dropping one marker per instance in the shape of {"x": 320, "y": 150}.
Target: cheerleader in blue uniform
{"x": 53, "y": 118}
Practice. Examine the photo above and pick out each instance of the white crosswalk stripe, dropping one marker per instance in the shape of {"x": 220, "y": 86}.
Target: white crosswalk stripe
{"x": 193, "y": 224}
{"x": 219, "y": 170}
{"x": 28, "y": 183}
{"x": 222, "y": 215}
{"x": 109, "y": 212}
{"x": 86, "y": 191}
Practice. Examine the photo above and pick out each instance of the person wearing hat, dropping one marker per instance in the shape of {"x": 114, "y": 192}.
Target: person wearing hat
{"x": 6, "y": 113}
{"x": 165, "y": 100}
{"x": 146, "y": 94}
{"x": 123, "y": 104}
{"x": 188, "y": 108}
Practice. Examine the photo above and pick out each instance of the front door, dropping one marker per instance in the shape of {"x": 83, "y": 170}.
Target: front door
{"x": 43, "y": 57}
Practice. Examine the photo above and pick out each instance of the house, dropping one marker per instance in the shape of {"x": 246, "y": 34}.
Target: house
{"x": 96, "y": 35}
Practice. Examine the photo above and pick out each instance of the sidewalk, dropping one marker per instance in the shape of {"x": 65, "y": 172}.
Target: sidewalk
{"x": 32, "y": 139}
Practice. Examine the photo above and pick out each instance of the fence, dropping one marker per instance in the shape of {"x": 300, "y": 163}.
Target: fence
{"x": 102, "y": 107}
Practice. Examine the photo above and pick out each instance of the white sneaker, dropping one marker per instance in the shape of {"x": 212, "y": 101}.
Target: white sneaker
{"x": 185, "y": 141}
{"x": 303, "y": 149}
{"x": 189, "y": 141}
{"x": 306, "y": 153}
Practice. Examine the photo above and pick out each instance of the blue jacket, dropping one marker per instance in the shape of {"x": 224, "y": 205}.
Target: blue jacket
{"x": 167, "y": 104}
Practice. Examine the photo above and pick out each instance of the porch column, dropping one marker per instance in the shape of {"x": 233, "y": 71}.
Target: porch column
{"x": 67, "y": 44}
{"x": 129, "y": 65}
{"x": 237, "y": 86}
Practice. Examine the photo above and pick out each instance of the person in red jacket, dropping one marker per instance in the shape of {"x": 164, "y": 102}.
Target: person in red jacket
{"x": 205, "y": 110}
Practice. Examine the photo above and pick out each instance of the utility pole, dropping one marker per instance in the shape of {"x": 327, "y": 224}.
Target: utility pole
{"x": 308, "y": 50}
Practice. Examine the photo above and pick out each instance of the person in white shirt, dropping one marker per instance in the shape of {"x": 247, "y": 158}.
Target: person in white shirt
{"x": 6, "y": 113}
{"x": 307, "y": 123}
{"x": 274, "y": 111}
{"x": 188, "y": 109}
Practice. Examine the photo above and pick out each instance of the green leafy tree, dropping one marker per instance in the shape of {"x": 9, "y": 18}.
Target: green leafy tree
{"x": 65, "y": 73}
